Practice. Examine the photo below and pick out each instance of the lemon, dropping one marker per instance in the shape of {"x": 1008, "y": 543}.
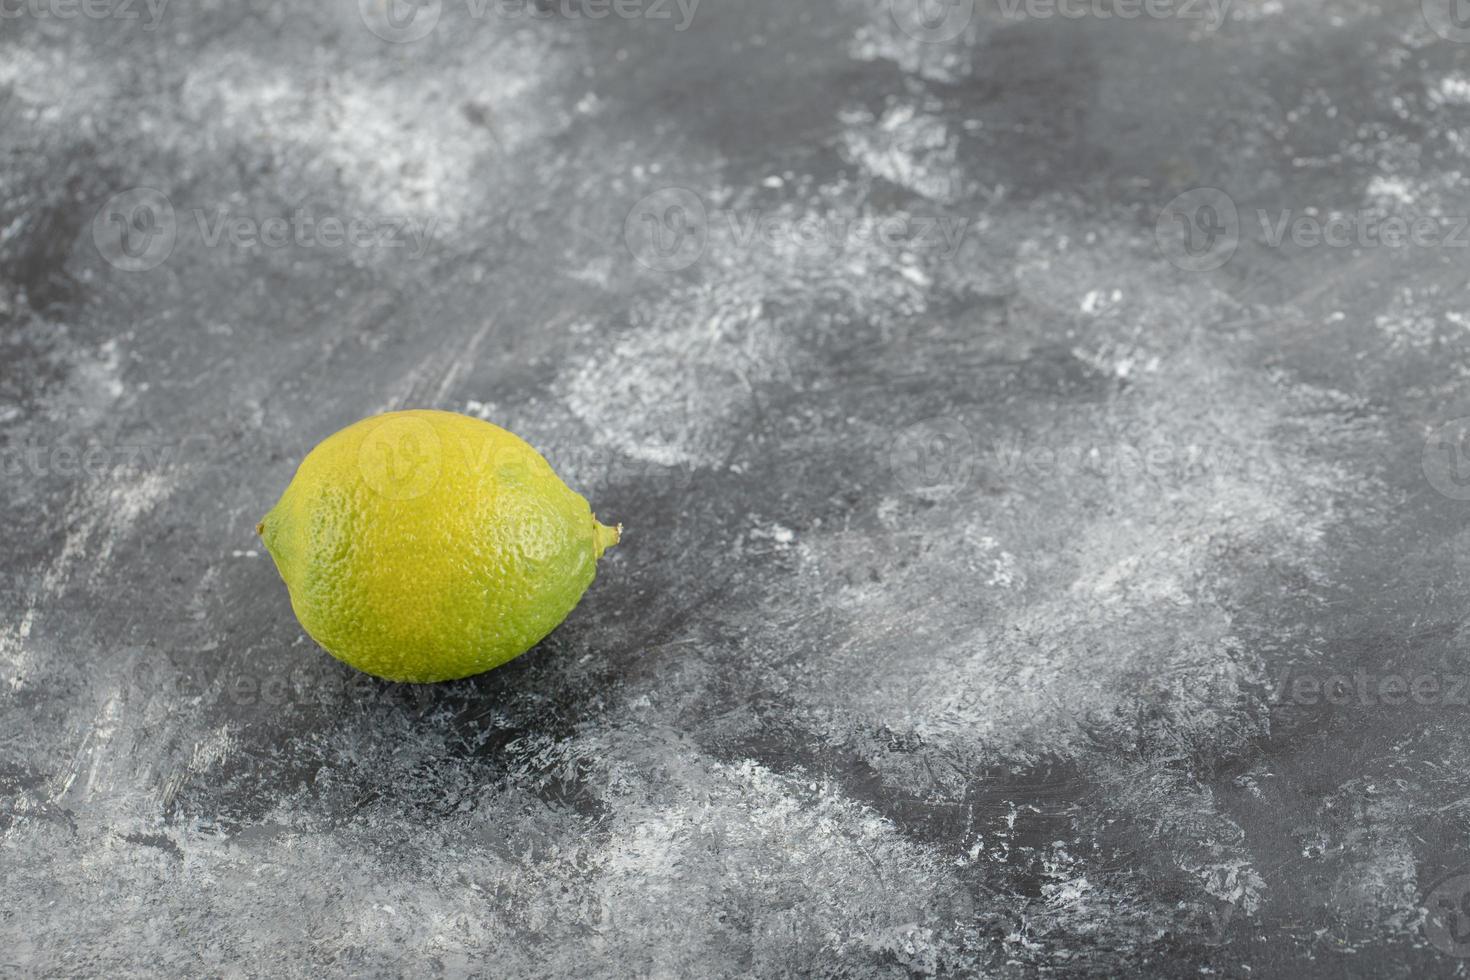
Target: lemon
{"x": 428, "y": 546}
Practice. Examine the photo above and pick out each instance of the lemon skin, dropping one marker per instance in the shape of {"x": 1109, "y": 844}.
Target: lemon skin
{"x": 428, "y": 546}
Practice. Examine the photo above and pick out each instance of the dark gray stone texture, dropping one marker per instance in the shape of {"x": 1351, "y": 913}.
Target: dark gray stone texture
{"x": 994, "y": 526}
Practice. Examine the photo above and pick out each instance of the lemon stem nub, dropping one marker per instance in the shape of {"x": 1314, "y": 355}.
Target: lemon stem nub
{"x": 604, "y": 537}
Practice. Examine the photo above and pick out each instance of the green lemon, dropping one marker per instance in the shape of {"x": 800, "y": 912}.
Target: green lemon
{"x": 427, "y": 546}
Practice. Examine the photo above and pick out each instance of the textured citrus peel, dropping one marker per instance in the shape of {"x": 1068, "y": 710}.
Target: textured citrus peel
{"x": 604, "y": 537}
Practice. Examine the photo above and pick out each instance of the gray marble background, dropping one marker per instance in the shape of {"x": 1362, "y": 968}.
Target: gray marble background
{"x": 1029, "y": 570}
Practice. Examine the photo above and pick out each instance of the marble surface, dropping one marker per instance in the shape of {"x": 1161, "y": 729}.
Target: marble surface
{"x": 1039, "y": 432}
